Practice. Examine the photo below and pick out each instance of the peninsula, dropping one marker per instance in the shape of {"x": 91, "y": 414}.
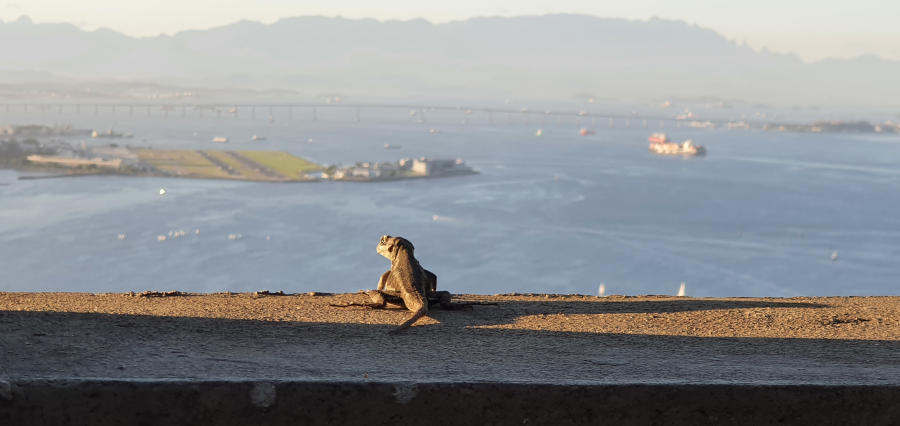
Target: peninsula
{"x": 59, "y": 158}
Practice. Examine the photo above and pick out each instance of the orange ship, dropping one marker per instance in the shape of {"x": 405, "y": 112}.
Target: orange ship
{"x": 659, "y": 138}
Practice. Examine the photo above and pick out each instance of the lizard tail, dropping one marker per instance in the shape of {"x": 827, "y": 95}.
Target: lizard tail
{"x": 419, "y": 314}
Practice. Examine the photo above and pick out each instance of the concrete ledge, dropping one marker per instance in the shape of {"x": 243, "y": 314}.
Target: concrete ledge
{"x": 102, "y": 402}
{"x": 258, "y": 359}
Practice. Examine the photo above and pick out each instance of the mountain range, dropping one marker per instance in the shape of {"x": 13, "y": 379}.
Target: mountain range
{"x": 536, "y": 57}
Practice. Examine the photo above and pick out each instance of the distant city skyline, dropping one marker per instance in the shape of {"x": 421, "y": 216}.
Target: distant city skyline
{"x": 811, "y": 29}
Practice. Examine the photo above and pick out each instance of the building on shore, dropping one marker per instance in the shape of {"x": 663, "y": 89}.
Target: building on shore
{"x": 403, "y": 169}
{"x": 432, "y": 166}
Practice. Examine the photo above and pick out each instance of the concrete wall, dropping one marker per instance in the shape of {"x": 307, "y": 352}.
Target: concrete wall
{"x": 98, "y": 402}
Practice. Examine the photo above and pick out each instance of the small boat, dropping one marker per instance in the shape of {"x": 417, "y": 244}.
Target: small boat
{"x": 220, "y": 139}
{"x": 109, "y": 134}
{"x": 257, "y": 138}
{"x": 586, "y": 132}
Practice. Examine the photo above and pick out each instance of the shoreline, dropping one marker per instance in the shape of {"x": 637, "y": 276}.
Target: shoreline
{"x": 66, "y": 173}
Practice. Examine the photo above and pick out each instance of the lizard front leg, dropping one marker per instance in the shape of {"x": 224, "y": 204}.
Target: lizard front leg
{"x": 383, "y": 280}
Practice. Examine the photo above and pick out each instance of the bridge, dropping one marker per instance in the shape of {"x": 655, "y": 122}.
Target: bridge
{"x": 310, "y": 111}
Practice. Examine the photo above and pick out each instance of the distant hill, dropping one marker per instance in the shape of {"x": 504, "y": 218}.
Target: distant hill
{"x": 552, "y": 57}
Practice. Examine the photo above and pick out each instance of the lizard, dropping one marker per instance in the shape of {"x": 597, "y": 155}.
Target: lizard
{"x": 407, "y": 283}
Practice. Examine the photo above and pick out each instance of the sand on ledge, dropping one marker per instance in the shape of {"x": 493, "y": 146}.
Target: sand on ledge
{"x": 503, "y": 338}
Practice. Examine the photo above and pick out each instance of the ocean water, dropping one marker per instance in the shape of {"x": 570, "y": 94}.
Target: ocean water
{"x": 760, "y": 215}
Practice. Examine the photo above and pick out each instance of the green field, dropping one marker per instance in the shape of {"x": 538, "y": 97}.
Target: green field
{"x": 244, "y": 171}
{"x": 181, "y": 162}
{"x": 190, "y": 163}
{"x": 282, "y": 162}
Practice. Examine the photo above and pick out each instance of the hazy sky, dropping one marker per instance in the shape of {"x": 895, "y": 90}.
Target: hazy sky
{"x": 811, "y": 28}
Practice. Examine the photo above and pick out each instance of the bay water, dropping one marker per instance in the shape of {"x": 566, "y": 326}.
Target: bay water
{"x": 762, "y": 214}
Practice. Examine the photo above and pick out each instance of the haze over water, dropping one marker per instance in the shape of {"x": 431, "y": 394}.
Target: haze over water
{"x": 760, "y": 215}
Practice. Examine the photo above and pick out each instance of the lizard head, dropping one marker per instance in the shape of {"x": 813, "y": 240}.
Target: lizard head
{"x": 389, "y": 246}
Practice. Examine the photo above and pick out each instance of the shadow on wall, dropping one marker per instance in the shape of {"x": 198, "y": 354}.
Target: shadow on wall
{"x": 71, "y": 345}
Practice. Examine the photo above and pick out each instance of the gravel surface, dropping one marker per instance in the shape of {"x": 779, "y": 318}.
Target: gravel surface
{"x": 554, "y": 339}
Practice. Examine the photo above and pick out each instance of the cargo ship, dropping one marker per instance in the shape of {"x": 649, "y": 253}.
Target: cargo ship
{"x": 661, "y": 144}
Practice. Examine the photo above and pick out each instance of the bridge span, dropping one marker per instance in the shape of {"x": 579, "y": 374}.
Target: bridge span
{"x": 310, "y": 111}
